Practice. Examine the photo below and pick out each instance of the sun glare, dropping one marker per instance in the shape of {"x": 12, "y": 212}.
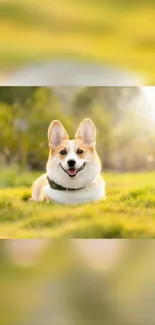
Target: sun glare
{"x": 149, "y": 97}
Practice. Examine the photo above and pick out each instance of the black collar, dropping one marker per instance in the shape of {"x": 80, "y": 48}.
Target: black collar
{"x": 58, "y": 187}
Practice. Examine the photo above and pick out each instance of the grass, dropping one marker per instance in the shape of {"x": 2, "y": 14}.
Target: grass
{"x": 127, "y": 212}
{"x": 97, "y": 31}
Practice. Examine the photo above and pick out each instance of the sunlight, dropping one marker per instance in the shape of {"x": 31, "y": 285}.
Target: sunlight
{"x": 149, "y": 96}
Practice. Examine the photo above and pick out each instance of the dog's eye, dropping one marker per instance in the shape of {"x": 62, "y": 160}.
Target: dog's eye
{"x": 63, "y": 152}
{"x": 79, "y": 151}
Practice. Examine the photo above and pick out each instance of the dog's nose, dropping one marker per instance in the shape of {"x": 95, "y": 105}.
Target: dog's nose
{"x": 71, "y": 163}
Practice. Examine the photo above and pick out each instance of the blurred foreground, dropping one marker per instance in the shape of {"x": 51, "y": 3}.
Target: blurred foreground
{"x": 72, "y": 73}
{"x": 107, "y": 282}
{"x": 115, "y": 35}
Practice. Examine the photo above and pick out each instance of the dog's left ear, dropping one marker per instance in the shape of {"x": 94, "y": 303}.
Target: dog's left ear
{"x": 56, "y": 134}
{"x": 87, "y": 132}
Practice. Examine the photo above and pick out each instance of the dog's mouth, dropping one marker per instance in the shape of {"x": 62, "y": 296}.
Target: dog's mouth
{"x": 72, "y": 172}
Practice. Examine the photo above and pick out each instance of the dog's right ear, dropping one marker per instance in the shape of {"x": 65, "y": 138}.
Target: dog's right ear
{"x": 56, "y": 134}
{"x": 87, "y": 132}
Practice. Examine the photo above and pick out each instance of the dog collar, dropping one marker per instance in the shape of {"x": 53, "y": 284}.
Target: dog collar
{"x": 58, "y": 187}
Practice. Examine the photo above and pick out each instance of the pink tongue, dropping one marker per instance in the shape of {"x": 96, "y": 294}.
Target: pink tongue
{"x": 72, "y": 172}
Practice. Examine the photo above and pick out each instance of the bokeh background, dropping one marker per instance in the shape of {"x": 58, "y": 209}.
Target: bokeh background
{"x": 124, "y": 118}
{"x": 114, "y": 34}
{"x": 109, "y": 282}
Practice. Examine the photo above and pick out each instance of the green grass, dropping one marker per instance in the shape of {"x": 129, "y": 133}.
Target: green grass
{"x": 127, "y": 212}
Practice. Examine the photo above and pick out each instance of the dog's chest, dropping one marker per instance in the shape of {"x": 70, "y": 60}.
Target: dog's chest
{"x": 93, "y": 192}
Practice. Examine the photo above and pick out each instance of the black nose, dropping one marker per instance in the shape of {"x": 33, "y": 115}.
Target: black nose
{"x": 71, "y": 163}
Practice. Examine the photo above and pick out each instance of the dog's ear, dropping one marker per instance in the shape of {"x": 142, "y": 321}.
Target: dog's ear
{"x": 87, "y": 132}
{"x": 56, "y": 134}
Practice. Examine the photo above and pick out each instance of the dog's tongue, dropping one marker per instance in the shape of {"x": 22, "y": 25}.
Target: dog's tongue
{"x": 72, "y": 171}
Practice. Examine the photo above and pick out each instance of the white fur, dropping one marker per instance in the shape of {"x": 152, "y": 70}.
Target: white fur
{"x": 83, "y": 178}
{"x": 92, "y": 192}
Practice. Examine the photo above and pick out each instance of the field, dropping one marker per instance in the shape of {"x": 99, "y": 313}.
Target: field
{"x": 118, "y": 34}
{"x": 127, "y": 212}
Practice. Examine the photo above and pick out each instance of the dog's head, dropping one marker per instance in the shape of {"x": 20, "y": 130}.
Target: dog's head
{"x": 73, "y": 163}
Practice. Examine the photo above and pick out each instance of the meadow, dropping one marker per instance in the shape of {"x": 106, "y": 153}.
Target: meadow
{"x": 127, "y": 212}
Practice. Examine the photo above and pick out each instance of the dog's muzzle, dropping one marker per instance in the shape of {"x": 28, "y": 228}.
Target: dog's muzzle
{"x": 72, "y": 172}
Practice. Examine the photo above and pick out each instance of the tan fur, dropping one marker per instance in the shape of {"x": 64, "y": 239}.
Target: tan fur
{"x": 37, "y": 188}
{"x": 56, "y": 150}
{"x": 59, "y": 140}
{"x": 77, "y": 144}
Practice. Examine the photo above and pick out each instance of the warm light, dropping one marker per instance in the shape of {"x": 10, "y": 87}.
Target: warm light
{"x": 149, "y": 97}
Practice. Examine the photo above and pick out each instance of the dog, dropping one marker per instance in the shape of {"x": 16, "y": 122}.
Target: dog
{"x": 73, "y": 167}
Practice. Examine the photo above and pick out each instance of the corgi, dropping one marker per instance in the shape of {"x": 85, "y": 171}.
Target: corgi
{"x": 73, "y": 170}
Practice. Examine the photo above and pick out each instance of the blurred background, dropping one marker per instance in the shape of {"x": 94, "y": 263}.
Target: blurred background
{"x": 124, "y": 118}
{"x": 77, "y": 282}
{"x": 114, "y": 41}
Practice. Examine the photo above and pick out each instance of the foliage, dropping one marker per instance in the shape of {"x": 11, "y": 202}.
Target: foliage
{"x": 26, "y": 112}
{"x": 25, "y": 115}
